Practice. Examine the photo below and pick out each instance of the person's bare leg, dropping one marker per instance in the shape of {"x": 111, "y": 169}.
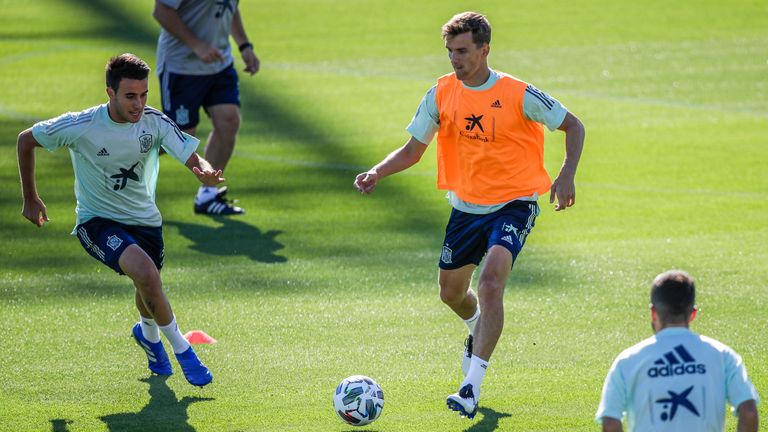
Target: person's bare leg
{"x": 221, "y": 140}
{"x": 455, "y": 291}
{"x": 138, "y": 266}
{"x": 490, "y": 291}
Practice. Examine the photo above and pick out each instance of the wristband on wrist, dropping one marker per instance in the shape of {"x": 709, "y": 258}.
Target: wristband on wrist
{"x": 245, "y": 45}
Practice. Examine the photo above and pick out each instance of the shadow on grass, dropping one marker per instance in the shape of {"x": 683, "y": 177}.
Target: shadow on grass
{"x": 117, "y": 24}
{"x": 163, "y": 412}
{"x": 232, "y": 237}
{"x": 490, "y": 421}
{"x": 60, "y": 425}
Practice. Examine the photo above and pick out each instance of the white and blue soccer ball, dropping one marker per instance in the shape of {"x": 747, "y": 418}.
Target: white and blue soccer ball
{"x": 358, "y": 400}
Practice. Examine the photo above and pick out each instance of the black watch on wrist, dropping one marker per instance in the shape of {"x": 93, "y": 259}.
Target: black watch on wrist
{"x": 245, "y": 45}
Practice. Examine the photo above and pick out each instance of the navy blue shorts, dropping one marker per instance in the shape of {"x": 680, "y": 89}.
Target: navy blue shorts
{"x": 183, "y": 95}
{"x": 105, "y": 240}
{"x": 469, "y": 236}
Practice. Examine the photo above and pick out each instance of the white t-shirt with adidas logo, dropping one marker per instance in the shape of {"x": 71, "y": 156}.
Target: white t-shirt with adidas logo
{"x": 676, "y": 380}
{"x": 116, "y": 164}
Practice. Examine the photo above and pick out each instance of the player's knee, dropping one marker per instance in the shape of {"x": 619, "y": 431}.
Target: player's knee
{"x": 148, "y": 281}
{"x": 228, "y": 122}
{"x": 450, "y": 295}
{"x": 490, "y": 287}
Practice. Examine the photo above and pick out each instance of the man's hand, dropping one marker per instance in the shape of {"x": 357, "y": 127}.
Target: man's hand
{"x": 34, "y": 211}
{"x": 208, "y": 177}
{"x": 366, "y": 182}
{"x": 208, "y": 53}
{"x": 564, "y": 189}
{"x": 251, "y": 61}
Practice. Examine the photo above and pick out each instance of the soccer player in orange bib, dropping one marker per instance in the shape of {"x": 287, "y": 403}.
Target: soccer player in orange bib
{"x": 490, "y": 157}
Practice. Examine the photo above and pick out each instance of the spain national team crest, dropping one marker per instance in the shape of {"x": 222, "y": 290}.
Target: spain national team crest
{"x": 446, "y": 255}
{"x": 182, "y": 116}
{"x": 145, "y": 141}
{"x": 114, "y": 242}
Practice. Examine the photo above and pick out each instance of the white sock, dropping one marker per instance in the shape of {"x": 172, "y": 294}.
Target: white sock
{"x": 174, "y": 336}
{"x": 149, "y": 329}
{"x": 205, "y": 193}
{"x": 472, "y": 322}
{"x": 475, "y": 376}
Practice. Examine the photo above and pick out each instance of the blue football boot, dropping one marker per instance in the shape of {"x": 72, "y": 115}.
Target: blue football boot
{"x": 194, "y": 370}
{"x": 157, "y": 359}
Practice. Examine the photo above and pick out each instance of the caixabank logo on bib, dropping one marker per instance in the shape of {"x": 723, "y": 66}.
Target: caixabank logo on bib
{"x": 474, "y": 129}
{"x": 676, "y": 362}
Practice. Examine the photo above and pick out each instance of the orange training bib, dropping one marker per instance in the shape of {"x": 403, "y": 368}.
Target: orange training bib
{"x": 488, "y": 152}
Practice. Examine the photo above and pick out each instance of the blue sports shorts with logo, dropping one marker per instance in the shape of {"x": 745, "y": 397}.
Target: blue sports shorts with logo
{"x": 105, "y": 240}
{"x": 469, "y": 236}
{"x": 183, "y": 95}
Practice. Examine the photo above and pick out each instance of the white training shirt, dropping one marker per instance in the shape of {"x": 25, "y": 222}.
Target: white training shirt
{"x": 210, "y": 21}
{"x": 537, "y": 106}
{"x": 116, "y": 164}
{"x": 676, "y": 381}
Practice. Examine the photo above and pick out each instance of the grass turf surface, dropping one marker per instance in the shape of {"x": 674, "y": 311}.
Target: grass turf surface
{"x": 316, "y": 283}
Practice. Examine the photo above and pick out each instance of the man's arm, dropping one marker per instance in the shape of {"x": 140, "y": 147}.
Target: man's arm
{"x": 399, "y": 160}
{"x": 33, "y": 208}
{"x": 748, "y": 417}
{"x": 611, "y": 425}
{"x": 204, "y": 171}
{"x": 563, "y": 187}
{"x": 241, "y": 38}
{"x": 169, "y": 18}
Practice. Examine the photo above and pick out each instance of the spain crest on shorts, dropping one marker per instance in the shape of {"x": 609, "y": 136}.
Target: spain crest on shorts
{"x": 145, "y": 142}
{"x": 446, "y": 256}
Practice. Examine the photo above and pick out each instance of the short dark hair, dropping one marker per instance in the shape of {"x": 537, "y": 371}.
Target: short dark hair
{"x": 125, "y": 66}
{"x": 674, "y": 296}
{"x": 466, "y": 22}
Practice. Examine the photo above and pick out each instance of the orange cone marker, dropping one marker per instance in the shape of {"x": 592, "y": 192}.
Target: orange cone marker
{"x": 199, "y": 337}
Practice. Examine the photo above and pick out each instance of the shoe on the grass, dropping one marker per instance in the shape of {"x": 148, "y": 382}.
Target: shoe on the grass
{"x": 463, "y": 402}
{"x": 157, "y": 359}
{"x": 218, "y": 205}
{"x": 194, "y": 370}
{"x": 466, "y": 358}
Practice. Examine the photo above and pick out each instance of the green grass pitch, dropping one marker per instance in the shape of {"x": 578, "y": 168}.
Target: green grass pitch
{"x": 317, "y": 283}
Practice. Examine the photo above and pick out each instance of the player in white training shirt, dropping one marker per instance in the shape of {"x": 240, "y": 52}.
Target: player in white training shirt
{"x": 115, "y": 149}
{"x": 196, "y": 69}
{"x": 677, "y": 380}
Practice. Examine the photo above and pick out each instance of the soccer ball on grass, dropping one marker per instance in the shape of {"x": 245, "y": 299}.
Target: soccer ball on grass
{"x": 358, "y": 400}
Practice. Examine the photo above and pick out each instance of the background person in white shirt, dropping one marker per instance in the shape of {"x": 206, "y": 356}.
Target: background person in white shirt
{"x": 676, "y": 380}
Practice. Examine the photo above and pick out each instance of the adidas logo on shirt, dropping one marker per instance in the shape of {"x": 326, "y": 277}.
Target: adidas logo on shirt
{"x": 508, "y": 239}
{"x": 496, "y": 104}
{"x": 676, "y": 362}
{"x": 103, "y": 152}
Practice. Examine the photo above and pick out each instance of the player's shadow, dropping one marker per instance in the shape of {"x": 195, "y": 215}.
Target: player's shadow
{"x": 60, "y": 425}
{"x": 489, "y": 422}
{"x": 232, "y": 237}
{"x": 163, "y": 412}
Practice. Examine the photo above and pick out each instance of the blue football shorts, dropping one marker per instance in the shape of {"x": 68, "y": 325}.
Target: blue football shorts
{"x": 105, "y": 240}
{"x": 469, "y": 236}
{"x": 183, "y": 95}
